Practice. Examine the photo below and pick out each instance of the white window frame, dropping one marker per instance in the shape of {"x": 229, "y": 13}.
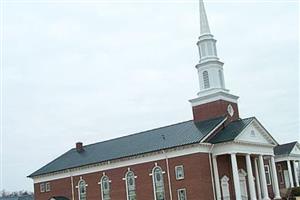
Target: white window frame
{"x": 153, "y": 180}
{"x": 178, "y": 192}
{"x": 268, "y": 174}
{"x": 280, "y": 173}
{"x": 100, "y": 183}
{"x": 205, "y": 76}
{"x": 176, "y": 172}
{"x": 42, "y": 187}
{"x": 82, "y": 180}
{"x": 126, "y": 182}
{"x": 47, "y": 187}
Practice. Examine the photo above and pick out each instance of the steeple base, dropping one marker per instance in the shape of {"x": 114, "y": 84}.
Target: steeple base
{"x": 214, "y": 105}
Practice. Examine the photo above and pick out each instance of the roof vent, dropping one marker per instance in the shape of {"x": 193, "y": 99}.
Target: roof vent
{"x": 79, "y": 147}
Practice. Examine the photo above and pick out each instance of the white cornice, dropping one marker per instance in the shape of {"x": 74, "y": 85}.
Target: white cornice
{"x": 261, "y": 129}
{"x": 213, "y": 95}
{"x": 242, "y": 148}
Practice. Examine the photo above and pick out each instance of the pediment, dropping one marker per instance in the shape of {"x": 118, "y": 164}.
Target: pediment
{"x": 296, "y": 149}
{"x": 256, "y": 133}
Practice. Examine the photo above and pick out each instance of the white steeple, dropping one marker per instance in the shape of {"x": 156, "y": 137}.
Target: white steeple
{"x": 210, "y": 68}
{"x": 204, "y": 27}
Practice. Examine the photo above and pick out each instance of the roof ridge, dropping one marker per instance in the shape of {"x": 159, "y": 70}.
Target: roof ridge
{"x": 137, "y": 133}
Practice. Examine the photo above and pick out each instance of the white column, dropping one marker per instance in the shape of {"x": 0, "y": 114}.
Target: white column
{"x": 236, "y": 179}
{"x": 257, "y": 180}
{"x": 275, "y": 179}
{"x": 216, "y": 177}
{"x": 250, "y": 178}
{"x": 295, "y": 173}
{"x": 263, "y": 180}
{"x": 290, "y": 174}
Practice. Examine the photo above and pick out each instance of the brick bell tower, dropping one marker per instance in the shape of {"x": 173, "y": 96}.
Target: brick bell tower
{"x": 213, "y": 99}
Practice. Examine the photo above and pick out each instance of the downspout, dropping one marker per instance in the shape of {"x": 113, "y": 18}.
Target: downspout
{"x": 72, "y": 185}
{"x": 168, "y": 174}
{"x": 211, "y": 171}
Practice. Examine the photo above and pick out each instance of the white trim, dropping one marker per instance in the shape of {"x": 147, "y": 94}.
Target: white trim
{"x": 47, "y": 187}
{"x": 100, "y": 183}
{"x": 268, "y": 173}
{"x": 176, "y": 167}
{"x": 153, "y": 180}
{"x": 144, "y": 158}
{"x": 42, "y": 187}
{"x": 126, "y": 182}
{"x": 217, "y": 94}
{"x": 280, "y": 173}
{"x": 242, "y": 147}
{"x": 212, "y": 131}
{"x": 281, "y": 158}
{"x": 178, "y": 191}
{"x": 254, "y": 122}
{"x": 81, "y": 180}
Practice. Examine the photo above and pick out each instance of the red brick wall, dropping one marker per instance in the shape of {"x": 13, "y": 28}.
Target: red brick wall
{"x": 214, "y": 109}
{"x": 224, "y": 168}
{"x": 61, "y": 187}
{"x": 197, "y": 181}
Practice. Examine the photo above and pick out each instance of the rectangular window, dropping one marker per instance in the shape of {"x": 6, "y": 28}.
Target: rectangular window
{"x": 179, "y": 172}
{"x": 42, "y": 187}
{"x": 181, "y": 194}
{"x": 48, "y": 187}
{"x": 280, "y": 174}
{"x": 268, "y": 175}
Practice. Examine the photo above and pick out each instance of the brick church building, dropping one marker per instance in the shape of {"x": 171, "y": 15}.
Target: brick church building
{"x": 216, "y": 155}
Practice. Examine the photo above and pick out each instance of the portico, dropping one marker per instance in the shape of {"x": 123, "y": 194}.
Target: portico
{"x": 289, "y": 156}
{"x": 251, "y": 159}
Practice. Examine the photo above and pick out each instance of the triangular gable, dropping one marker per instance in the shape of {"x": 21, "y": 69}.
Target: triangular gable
{"x": 256, "y": 133}
{"x": 296, "y": 149}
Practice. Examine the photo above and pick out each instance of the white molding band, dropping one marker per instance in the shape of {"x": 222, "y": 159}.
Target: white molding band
{"x": 208, "y": 98}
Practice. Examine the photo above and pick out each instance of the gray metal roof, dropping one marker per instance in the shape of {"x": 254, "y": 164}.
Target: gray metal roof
{"x": 183, "y": 133}
{"x": 231, "y": 131}
{"x": 284, "y": 149}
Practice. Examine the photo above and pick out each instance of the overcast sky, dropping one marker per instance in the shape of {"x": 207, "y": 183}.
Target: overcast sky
{"x": 94, "y": 71}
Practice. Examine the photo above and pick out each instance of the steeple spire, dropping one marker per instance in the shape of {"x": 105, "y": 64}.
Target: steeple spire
{"x": 204, "y": 26}
{"x": 213, "y": 98}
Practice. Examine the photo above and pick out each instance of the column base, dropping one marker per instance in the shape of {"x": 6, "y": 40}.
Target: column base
{"x": 277, "y": 197}
{"x": 267, "y": 198}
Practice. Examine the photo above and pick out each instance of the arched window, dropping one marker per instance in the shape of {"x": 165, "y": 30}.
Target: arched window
{"x": 205, "y": 79}
{"x": 130, "y": 185}
{"x": 105, "y": 187}
{"x": 158, "y": 183}
{"x": 82, "y": 189}
{"x": 221, "y": 77}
